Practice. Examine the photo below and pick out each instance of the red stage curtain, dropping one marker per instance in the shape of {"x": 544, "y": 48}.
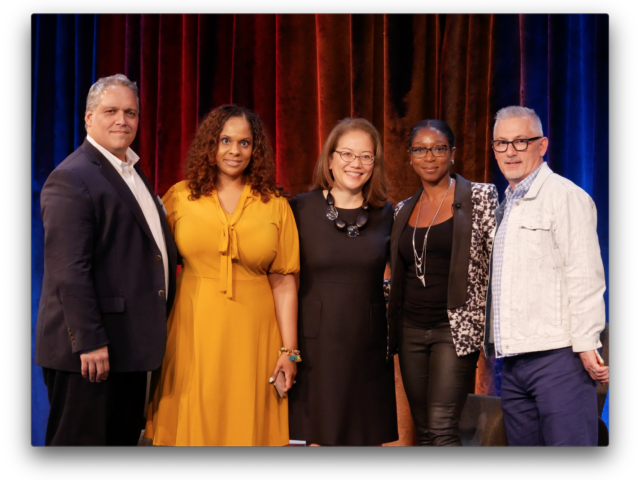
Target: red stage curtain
{"x": 304, "y": 73}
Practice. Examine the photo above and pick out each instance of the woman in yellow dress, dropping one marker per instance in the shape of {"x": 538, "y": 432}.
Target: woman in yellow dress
{"x": 236, "y": 300}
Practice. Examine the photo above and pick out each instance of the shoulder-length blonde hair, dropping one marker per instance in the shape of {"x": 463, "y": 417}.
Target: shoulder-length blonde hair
{"x": 376, "y": 189}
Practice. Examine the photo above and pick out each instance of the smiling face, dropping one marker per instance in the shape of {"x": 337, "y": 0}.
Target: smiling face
{"x": 516, "y": 166}
{"x": 235, "y": 147}
{"x": 353, "y": 176}
{"x": 432, "y": 169}
{"x": 114, "y": 121}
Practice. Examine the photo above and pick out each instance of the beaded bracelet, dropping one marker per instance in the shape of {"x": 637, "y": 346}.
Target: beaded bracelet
{"x": 294, "y": 355}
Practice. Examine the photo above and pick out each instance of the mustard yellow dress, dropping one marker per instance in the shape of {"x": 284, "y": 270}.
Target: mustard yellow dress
{"x": 223, "y": 337}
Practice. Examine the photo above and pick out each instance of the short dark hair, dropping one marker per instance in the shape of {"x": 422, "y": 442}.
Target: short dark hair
{"x": 439, "y": 125}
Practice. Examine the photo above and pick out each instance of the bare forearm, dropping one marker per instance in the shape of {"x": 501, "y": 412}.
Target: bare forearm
{"x": 285, "y": 299}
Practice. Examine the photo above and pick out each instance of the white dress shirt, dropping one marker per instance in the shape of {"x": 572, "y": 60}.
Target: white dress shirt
{"x": 144, "y": 198}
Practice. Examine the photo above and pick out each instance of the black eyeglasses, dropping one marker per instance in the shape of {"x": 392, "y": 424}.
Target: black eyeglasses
{"x": 421, "y": 152}
{"x": 349, "y": 157}
{"x": 519, "y": 144}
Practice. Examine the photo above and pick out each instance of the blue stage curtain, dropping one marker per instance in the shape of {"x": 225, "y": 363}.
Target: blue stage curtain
{"x": 559, "y": 66}
{"x": 63, "y": 69}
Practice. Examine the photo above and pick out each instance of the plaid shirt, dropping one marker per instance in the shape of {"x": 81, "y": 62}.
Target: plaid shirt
{"x": 498, "y": 251}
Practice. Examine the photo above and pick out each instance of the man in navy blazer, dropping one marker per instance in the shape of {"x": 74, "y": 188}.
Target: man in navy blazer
{"x": 109, "y": 279}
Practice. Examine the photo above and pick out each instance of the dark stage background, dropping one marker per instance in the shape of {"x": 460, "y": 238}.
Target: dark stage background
{"x": 303, "y": 73}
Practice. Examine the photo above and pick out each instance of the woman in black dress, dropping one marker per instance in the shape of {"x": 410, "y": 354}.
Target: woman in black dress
{"x": 440, "y": 250}
{"x": 345, "y": 392}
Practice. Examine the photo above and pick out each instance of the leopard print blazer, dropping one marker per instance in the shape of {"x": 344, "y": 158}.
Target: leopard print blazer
{"x": 474, "y": 218}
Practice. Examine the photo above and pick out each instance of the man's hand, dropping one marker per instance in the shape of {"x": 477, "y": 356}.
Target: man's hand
{"x": 591, "y": 363}
{"x": 95, "y": 364}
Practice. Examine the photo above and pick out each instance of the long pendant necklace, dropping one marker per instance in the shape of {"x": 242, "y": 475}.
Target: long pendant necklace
{"x": 353, "y": 229}
{"x": 419, "y": 259}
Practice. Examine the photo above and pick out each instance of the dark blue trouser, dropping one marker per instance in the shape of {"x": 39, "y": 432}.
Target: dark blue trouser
{"x": 549, "y": 399}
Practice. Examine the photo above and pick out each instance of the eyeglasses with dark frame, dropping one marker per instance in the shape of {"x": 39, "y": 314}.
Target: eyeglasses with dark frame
{"x": 421, "y": 152}
{"x": 519, "y": 144}
{"x": 349, "y": 157}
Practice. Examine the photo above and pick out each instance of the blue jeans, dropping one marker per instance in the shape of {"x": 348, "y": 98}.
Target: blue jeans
{"x": 549, "y": 399}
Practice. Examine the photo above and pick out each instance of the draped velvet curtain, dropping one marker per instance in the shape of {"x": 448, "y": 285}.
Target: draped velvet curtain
{"x": 303, "y": 73}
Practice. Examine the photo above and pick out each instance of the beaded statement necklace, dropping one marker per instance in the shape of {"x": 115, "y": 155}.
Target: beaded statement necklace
{"x": 353, "y": 229}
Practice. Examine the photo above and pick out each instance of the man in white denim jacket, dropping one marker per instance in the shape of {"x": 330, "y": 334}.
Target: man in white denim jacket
{"x": 545, "y": 306}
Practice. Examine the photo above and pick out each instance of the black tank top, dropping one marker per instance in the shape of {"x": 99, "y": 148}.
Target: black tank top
{"x": 426, "y": 306}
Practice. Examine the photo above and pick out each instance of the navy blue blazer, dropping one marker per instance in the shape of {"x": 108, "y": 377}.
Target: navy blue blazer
{"x": 103, "y": 271}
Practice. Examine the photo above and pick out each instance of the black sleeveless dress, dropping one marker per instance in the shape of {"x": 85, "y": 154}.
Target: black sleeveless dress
{"x": 345, "y": 389}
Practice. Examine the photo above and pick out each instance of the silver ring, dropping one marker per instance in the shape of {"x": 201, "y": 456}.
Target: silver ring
{"x": 593, "y": 371}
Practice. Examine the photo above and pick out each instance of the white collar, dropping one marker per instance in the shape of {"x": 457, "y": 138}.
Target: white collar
{"x": 119, "y": 165}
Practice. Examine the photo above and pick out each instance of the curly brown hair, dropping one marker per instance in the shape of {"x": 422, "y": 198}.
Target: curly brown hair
{"x": 201, "y": 168}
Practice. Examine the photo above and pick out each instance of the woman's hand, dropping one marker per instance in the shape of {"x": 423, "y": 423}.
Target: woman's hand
{"x": 285, "y": 300}
{"x": 288, "y": 367}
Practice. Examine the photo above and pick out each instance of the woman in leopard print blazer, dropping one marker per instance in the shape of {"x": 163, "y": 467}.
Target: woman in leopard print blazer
{"x": 439, "y": 283}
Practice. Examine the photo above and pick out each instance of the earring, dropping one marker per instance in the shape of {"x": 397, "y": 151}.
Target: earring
{"x": 453, "y": 161}
{"x": 410, "y": 162}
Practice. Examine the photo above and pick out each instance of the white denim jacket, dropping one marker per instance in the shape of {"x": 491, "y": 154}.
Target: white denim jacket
{"x": 552, "y": 274}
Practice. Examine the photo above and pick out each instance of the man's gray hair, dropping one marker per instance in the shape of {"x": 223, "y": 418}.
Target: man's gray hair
{"x": 98, "y": 88}
{"x": 516, "y": 111}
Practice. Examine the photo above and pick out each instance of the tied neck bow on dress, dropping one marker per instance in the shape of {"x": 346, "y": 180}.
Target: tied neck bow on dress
{"x": 228, "y": 246}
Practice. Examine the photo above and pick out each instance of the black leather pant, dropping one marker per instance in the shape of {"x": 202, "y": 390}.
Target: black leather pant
{"x": 436, "y": 382}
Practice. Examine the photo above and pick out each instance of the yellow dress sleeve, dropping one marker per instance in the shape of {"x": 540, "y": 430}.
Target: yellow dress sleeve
{"x": 170, "y": 201}
{"x": 288, "y": 249}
